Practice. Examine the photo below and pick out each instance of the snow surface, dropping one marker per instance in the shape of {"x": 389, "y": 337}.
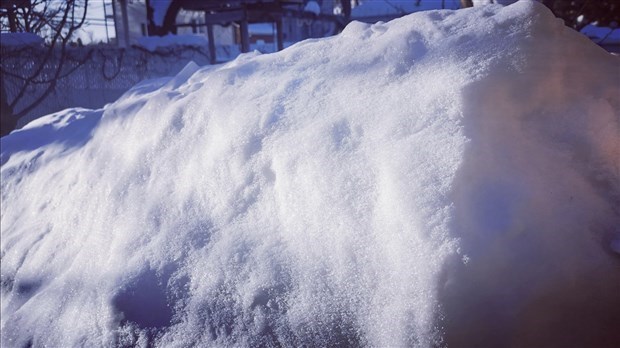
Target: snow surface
{"x": 20, "y": 39}
{"x": 487, "y": 2}
{"x": 457, "y": 183}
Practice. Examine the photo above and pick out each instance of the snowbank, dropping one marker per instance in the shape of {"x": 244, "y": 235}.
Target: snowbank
{"x": 457, "y": 182}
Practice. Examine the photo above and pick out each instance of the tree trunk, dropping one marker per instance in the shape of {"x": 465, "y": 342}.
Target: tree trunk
{"x": 467, "y": 3}
{"x": 12, "y": 20}
{"x": 8, "y": 121}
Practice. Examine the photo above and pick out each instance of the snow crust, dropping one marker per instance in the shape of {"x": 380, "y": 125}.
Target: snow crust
{"x": 450, "y": 177}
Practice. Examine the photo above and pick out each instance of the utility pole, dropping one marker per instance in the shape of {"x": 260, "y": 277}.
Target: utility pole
{"x": 12, "y": 20}
{"x": 212, "y": 52}
{"x": 125, "y": 18}
{"x": 245, "y": 34}
{"x": 279, "y": 33}
{"x": 105, "y": 19}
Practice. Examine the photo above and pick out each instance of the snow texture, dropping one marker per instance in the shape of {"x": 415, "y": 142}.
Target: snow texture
{"x": 487, "y": 2}
{"x": 447, "y": 178}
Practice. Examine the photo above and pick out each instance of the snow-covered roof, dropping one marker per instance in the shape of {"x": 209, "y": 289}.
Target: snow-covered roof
{"x": 261, "y": 28}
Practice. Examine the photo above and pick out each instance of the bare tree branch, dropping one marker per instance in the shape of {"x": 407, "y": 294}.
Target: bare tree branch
{"x": 59, "y": 20}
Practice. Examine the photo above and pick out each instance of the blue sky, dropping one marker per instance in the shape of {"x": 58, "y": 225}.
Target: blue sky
{"x": 95, "y": 29}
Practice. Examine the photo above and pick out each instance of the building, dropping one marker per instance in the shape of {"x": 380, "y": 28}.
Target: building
{"x": 229, "y": 22}
{"x": 248, "y": 23}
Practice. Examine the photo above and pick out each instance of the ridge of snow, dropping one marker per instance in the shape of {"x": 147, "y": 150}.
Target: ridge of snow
{"x": 308, "y": 198}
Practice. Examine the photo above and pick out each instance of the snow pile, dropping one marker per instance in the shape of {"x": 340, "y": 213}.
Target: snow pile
{"x": 448, "y": 177}
{"x": 487, "y": 2}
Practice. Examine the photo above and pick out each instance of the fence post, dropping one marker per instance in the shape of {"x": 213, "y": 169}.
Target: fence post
{"x": 212, "y": 53}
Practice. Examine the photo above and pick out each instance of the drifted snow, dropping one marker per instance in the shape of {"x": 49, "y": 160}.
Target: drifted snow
{"x": 330, "y": 194}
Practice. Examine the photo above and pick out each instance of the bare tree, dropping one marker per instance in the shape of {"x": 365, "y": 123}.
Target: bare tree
{"x": 577, "y": 14}
{"x": 57, "y": 22}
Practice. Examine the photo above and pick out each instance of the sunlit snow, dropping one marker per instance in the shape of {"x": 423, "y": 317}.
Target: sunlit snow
{"x": 450, "y": 177}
